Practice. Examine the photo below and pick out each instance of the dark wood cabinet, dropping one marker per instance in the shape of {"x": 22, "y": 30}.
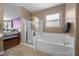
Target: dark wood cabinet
{"x": 11, "y": 42}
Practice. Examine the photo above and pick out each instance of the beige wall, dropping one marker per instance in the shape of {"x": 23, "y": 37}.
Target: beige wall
{"x": 1, "y": 17}
{"x": 25, "y": 13}
{"x": 70, "y": 16}
{"x": 77, "y": 29}
{"x": 60, "y": 9}
{"x": 1, "y": 25}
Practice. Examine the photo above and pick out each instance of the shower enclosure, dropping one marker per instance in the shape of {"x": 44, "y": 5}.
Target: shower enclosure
{"x": 26, "y": 32}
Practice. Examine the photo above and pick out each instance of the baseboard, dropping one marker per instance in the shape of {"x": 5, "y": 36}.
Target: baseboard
{"x": 2, "y": 52}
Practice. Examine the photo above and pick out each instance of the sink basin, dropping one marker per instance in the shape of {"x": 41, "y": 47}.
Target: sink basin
{"x": 1, "y": 35}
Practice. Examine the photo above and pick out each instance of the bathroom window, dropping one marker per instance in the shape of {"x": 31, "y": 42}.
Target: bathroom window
{"x": 53, "y": 20}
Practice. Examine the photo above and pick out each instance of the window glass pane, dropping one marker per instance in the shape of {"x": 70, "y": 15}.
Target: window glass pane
{"x": 53, "y": 20}
{"x": 52, "y": 17}
{"x": 52, "y": 24}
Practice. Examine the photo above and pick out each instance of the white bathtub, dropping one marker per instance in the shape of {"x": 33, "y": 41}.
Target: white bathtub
{"x": 57, "y": 44}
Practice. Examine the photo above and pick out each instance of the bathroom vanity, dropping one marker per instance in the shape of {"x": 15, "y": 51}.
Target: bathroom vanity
{"x": 11, "y": 39}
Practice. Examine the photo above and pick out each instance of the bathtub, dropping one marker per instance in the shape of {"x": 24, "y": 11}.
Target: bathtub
{"x": 57, "y": 44}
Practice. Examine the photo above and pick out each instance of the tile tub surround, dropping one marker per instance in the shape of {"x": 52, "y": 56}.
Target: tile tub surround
{"x": 22, "y": 50}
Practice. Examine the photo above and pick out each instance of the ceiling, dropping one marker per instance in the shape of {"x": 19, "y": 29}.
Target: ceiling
{"x": 11, "y": 11}
{"x": 35, "y": 7}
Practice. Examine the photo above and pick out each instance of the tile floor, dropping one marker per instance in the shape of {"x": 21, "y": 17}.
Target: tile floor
{"x": 22, "y": 50}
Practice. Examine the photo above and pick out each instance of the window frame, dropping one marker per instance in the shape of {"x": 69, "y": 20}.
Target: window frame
{"x": 59, "y": 20}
